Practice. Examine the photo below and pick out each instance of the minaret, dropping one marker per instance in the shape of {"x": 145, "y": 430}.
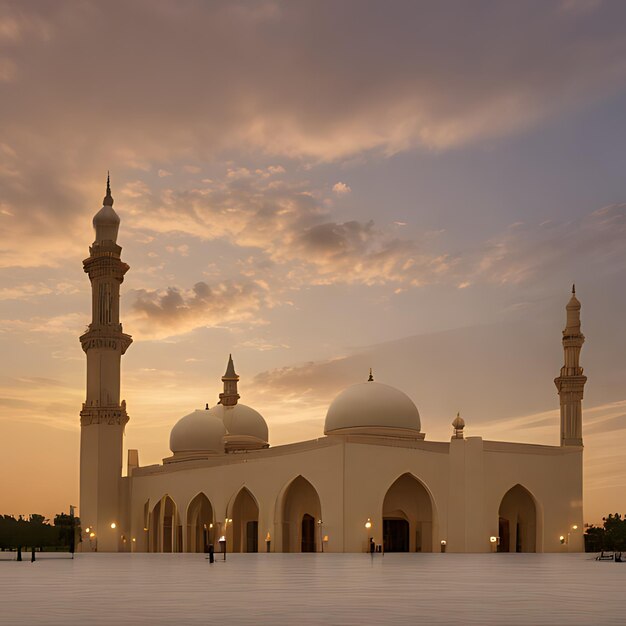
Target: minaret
{"x": 571, "y": 382}
{"x": 103, "y": 416}
{"x": 230, "y": 396}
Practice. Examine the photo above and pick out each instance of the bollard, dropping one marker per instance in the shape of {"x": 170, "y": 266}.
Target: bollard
{"x": 211, "y": 553}
{"x": 19, "y": 553}
{"x": 32, "y": 555}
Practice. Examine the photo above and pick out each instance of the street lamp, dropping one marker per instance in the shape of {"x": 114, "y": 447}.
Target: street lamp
{"x": 368, "y": 526}
{"x": 222, "y": 542}
{"x": 320, "y": 533}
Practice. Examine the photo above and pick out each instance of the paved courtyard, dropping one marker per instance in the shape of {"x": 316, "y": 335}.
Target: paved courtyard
{"x": 313, "y": 589}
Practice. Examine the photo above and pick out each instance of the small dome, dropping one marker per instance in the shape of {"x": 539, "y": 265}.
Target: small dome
{"x": 106, "y": 216}
{"x": 373, "y": 408}
{"x": 106, "y": 221}
{"x": 245, "y": 427}
{"x": 198, "y": 432}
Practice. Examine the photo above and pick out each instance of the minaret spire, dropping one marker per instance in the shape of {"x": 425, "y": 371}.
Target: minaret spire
{"x": 570, "y": 384}
{"x": 371, "y": 377}
{"x": 108, "y": 199}
{"x": 230, "y": 379}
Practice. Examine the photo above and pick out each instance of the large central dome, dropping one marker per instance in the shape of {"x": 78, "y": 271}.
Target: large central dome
{"x": 373, "y": 408}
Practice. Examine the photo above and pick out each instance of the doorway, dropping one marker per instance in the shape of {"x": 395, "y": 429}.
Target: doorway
{"x": 308, "y": 533}
{"x": 395, "y": 535}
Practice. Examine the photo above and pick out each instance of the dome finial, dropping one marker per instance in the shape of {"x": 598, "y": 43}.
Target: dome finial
{"x": 574, "y": 289}
{"x": 371, "y": 377}
{"x": 458, "y": 425}
{"x": 108, "y": 199}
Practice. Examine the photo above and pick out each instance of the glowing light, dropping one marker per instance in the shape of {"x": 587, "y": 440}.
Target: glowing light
{"x": 493, "y": 539}
{"x": 368, "y": 524}
{"x": 87, "y": 530}
{"x": 443, "y": 542}
{"x": 222, "y": 538}
{"x": 134, "y": 539}
{"x": 575, "y": 527}
{"x": 113, "y": 525}
{"x": 326, "y": 538}
{"x": 267, "y": 537}
{"x": 562, "y": 539}
{"x": 92, "y": 535}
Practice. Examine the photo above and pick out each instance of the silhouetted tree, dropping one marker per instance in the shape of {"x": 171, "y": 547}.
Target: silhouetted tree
{"x": 611, "y": 536}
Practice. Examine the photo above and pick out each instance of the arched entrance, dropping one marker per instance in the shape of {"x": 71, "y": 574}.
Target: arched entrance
{"x": 245, "y": 524}
{"x": 407, "y": 517}
{"x": 517, "y": 521}
{"x": 301, "y": 511}
{"x": 200, "y": 531}
{"x": 166, "y": 533}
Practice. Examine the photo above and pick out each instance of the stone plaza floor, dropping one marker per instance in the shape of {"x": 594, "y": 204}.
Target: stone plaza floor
{"x": 302, "y": 589}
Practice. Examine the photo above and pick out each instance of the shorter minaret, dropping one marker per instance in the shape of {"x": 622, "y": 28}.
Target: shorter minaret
{"x": 230, "y": 379}
{"x": 571, "y": 382}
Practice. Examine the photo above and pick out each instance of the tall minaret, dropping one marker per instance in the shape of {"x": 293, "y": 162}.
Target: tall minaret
{"x": 571, "y": 382}
{"x": 230, "y": 395}
{"x": 103, "y": 416}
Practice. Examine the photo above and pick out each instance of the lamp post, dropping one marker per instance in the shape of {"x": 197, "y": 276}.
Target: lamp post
{"x": 320, "y": 524}
{"x": 494, "y": 543}
{"x": 222, "y": 542}
{"x": 368, "y": 526}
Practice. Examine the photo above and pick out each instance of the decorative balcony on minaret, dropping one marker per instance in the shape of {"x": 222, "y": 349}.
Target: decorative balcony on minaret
{"x": 103, "y": 415}
{"x": 571, "y": 382}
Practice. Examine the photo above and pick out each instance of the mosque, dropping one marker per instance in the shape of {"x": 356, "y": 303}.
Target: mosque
{"x": 371, "y": 477}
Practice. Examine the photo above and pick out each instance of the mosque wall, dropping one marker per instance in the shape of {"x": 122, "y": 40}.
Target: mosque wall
{"x": 552, "y": 476}
{"x": 441, "y": 492}
{"x": 267, "y": 478}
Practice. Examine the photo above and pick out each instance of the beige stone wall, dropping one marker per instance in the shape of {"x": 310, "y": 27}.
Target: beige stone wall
{"x": 448, "y": 492}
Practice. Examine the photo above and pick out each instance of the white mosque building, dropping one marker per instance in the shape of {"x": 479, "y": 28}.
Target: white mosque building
{"x": 371, "y": 476}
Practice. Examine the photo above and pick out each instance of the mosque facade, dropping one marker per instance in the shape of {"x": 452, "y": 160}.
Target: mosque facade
{"x": 371, "y": 478}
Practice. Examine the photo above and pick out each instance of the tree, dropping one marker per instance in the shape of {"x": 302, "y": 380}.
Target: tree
{"x": 611, "y": 536}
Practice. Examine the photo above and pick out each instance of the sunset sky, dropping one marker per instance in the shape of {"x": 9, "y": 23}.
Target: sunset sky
{"x": 319, "y": 188}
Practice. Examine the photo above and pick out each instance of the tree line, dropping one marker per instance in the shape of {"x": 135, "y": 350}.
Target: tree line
{"x": 610, "y": 536}
{"x": 37, "y": 532}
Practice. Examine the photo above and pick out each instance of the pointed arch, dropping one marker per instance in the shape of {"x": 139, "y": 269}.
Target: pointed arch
{"x": 408, "y": 515}
{"x": 518, "y": 521}
{"x": 200, "y": 529}
{"x": 165, "y": 530}
{"x": 300, "y": 512}
{"x": 242, "y": 533}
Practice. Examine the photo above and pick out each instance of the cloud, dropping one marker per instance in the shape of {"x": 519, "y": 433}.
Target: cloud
{"x": 162, "y": 313}
{"x": 341, "y": 189}
{"x": 598, "y": 239}
{"x": 398, "y": 86}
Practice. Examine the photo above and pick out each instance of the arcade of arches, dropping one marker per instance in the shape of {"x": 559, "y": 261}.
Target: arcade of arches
{"x": 407, "y": 521}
